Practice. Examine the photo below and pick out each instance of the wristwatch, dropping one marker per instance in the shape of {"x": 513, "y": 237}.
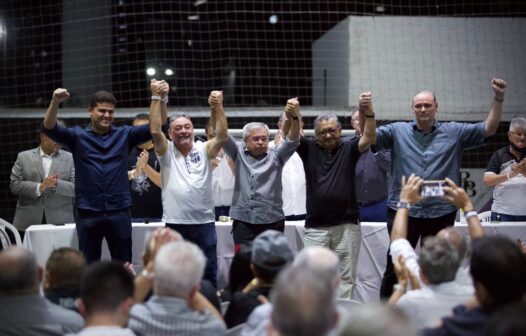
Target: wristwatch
{"x": 403, "y": 205}
{"x": 398, "y": 287}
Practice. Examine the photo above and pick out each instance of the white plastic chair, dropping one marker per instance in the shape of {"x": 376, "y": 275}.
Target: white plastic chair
{"x": 6, "y": 225}
{"x": 485, "y": 217}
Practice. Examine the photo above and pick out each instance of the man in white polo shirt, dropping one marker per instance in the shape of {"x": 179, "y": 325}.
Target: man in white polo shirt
{"x": 186, "y": 176}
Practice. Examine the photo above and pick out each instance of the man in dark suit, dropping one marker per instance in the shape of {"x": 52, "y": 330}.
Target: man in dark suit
{"x": 43, "y": 178}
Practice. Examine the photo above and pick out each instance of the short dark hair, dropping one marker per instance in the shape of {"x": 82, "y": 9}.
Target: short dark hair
{"x": 105, "y": 286}
{"x": 500, "y": 266}
{"x": 66, "y": 266}
{"x": 102, "y": 97}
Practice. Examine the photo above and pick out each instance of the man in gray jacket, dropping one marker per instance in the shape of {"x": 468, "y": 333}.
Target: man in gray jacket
{"x": 43, "y": 179}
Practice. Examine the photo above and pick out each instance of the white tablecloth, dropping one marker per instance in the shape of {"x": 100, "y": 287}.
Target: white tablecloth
{"x": 43, "y": 239}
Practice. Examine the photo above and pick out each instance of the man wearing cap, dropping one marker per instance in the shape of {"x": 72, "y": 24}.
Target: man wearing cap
{"x": 43, "y": 178}
{"x": 270, "y": 254}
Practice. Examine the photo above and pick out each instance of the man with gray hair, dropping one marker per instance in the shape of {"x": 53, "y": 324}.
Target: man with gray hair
{"x": 332, "y": 213}
{"x": 257, "y": 204}
{"x": 23, "y": 311}
{"x": 506, "y": 171}
{"x": 186, "y": 176}
{"x": 177, "y": 307}
{"x": 303, "y": 303}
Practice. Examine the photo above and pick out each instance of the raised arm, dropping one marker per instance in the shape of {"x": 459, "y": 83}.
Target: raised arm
{"x": 50, "y": 118}
{"x": 408, "y": 196}
{"x": 458, "y": 197}
{"x": 493, "y": 119}
{"x": 369, "y": 129}
{"x": 218, "y": 121}
{"x": 291, "y": 128}
{"x": 164, "y": 101}
{"x": 159, "y": 139}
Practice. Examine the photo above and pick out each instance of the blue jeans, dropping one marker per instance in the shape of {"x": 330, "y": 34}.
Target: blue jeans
{"x": 498, "y": 217}
{"x": 204, "y": 236}
{"x": 114, "y": 225}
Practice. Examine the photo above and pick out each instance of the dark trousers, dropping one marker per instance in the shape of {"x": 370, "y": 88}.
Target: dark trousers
{"x": 417, "y": 228}
{"x": 204, "y": 236}
{"x": 244, "y": 232}
{"x": 115, "y": 226}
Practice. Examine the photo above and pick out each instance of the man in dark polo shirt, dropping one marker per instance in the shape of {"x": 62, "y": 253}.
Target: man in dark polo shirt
{"x": 100, "y": 153}
{"x": 332, "y": 212}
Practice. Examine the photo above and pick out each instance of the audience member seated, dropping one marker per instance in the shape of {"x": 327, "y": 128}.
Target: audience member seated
{"x": 270, "y": 254}
{"x": 378, "y": 320}
{"x": 303, "y": 303}
{"x": 498, "y": 268}
{"x": 23, "y": 311}
{"x": 436, "y": 267}
{"x": 177, "y": 307}
{"x": 316, "y": 258}
{"x": 144, "y": 281}
{"x": 106, "y": 297}
{"x": 439, "y": 262}
{"x": 240, "y": 273}
{"x": 64, "y": 269}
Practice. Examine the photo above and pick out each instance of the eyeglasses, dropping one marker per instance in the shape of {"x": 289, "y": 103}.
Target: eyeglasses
{"x": 518, "y": 134}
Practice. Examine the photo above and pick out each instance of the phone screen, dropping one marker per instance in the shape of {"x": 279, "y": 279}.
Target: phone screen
{"x": 433, "y": 188}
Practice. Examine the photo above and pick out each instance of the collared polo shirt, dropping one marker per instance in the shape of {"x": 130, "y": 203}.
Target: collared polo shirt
{"x": 258, "y": 188}
{"x": 432, "y": 156}
{"x": 331, "y": 196}
{"x": 101, "y": 163}
{"x": 506, "y": 195}
{"x": 170, "y": 315}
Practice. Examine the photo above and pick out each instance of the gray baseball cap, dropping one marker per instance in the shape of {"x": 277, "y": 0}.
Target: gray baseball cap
{"x": 271, "y": 250}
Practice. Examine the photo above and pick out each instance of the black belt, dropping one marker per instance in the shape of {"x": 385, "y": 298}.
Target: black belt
{"x": 369, "y": 203}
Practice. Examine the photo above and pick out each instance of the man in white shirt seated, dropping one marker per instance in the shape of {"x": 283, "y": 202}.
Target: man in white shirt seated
{"x": 439, "y": 261}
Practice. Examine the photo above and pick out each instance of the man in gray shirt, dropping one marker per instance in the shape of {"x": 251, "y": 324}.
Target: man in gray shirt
{"x": 23, "y": 311}
{"x": 372, "y": 169}
{"x": 257, "y": 204}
